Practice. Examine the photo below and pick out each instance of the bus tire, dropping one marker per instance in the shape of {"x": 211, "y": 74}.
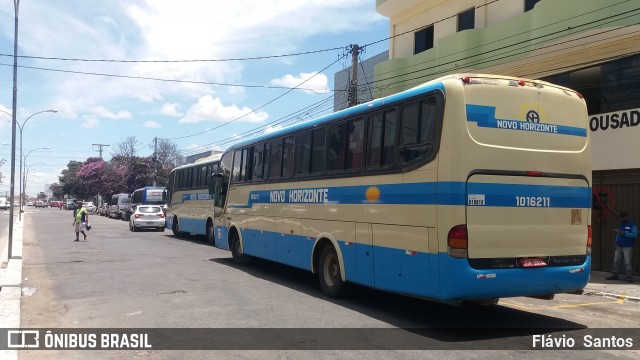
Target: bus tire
{"x": 329, "y": 272}
{"x": 209, "y": 231}
{"x": 176, "y": 228}
{"x": 238, "y": 257}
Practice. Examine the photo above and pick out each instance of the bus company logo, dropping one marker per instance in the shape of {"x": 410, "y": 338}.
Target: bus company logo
{"x": 372, "y": 194}
{"x": 533, "y": 116}
{"x": 532, "y": 113}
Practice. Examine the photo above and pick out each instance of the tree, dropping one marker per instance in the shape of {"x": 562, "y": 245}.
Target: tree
{"x": 56, "y": 190}
{"x": 71, "y": 185}
{"x": 91, "y": 174}
{"x": 126, "y": 148}
{"x": 167, "y": 157}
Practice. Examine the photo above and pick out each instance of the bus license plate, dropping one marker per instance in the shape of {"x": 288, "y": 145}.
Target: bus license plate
{"x": 532, "y": 262}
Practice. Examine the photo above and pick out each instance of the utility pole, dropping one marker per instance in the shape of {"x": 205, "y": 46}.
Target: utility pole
{"x": 353, "y": 86}
{"x": 100, "y": 146}
{"x": 155, "y": 160}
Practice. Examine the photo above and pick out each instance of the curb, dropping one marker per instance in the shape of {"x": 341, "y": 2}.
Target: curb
{"x": 591, "y": 292}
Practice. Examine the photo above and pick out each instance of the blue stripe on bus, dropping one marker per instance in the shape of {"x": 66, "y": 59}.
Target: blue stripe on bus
{"x": 485, "y": 116}
{"x": 431, "y": 193}
{"x": 417, "y": 273}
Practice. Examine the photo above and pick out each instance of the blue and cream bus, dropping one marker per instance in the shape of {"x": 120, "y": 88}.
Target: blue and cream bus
{"x": 468, "y": 187}
{"x": 189, "y": 206}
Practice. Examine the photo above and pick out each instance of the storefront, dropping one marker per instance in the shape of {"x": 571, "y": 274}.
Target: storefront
{"x": 612, "y": 92}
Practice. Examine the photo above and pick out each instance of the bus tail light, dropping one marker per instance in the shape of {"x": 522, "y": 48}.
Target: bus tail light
{"x": 458, "y": 241}
{"x": 589, "y": 239}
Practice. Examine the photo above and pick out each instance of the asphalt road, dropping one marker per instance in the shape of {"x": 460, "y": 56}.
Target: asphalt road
{"x": 121, "y": 279}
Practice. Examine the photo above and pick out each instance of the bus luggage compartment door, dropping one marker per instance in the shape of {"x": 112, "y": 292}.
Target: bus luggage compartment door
{"x": 526, "y": 217}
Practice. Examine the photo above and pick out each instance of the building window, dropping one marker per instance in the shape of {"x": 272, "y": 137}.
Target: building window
{"x": 467, "y": 19}
{"x": 529, "y": 4}
{"x": 423, "y": 40}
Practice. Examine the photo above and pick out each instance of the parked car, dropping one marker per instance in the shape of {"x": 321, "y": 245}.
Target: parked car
{"x": 4, "y": 204}
{"x": 69, "y": 204}
{"x": 147, "y": 217}
{"x": 89, "y": 206}
{"x": 119, "y": 205}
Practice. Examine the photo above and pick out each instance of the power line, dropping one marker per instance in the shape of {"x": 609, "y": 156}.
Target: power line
{"x": 265, "y": 57}
{"x": 160, "y": 79}
{"x": 256, "y": 109}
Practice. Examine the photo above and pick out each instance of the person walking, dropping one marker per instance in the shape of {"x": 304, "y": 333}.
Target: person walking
{"x": 80, "y": 218}
{"x": 626, "y": 233}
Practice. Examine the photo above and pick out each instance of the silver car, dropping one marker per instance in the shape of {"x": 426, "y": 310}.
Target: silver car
{"x": 89, "y": 206}
{"x": 147, "y": 217}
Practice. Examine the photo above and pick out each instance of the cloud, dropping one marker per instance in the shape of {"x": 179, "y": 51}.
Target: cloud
{"x": 102, "y": 112}
{"x": 210, "y": 109}
{"x": 90, "y": 122}
{"x": 171, "y": 109}
{"x": 316, "y": 82}
{"x": 150, "y": 124}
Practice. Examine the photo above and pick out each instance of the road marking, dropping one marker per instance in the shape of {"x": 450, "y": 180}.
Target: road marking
{"x": 619, "y": 300}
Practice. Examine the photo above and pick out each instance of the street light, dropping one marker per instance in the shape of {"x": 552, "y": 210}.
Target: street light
{"x": 21, "y": 131}
{"x": 16, "y": 6}
{"x": 22, "y": 188}
{"x": 21, "y": 128}
{"x": 24, "y": 179}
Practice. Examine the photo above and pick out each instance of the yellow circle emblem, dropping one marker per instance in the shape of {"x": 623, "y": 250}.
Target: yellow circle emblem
{"x": 372, "y": 194}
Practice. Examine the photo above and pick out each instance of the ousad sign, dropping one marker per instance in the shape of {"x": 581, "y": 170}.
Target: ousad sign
{"x": 614, "y": 137}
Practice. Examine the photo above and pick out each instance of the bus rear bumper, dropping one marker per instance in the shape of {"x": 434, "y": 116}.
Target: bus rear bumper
{"x": 459, "y": 281}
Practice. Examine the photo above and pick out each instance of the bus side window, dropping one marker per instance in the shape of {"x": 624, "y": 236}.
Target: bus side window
{"x": 355, "y": 145}
{"x": 275, "y": 162}
{"x": 317, "y": 151}
{"x": 303, "y": 153}
{"x": 382, "y": 139}
{"x": 417, "y": 136}
{"x": 287, "y": 156}
{"x": 235, "y": 171}
{"x": 246, "y": 164}
{"x": 257, "y": 162}
{"x": 336, "y": 150}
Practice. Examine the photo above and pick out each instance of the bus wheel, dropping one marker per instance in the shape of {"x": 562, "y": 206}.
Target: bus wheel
{"x": 238, "y": 257}
{"x": 176, "y": 228}
{"x": 329, "y": 272}
{"x": 210, "y": 233}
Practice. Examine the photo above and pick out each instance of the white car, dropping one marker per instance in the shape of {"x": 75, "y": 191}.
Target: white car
{"x": 4, "y": 204}
{"x": 147, "y": 217}
{"x": 89, "y": 206}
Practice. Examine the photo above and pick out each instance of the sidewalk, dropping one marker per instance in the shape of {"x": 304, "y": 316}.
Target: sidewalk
{"x": 11, "y": 284}
{"x": 598, "y": 286}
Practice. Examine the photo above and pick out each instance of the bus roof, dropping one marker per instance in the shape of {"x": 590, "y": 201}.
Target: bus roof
{"x": 435, "y": 84}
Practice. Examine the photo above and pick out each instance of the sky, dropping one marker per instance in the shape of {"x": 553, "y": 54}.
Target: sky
{"x": 200, "y": 73}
